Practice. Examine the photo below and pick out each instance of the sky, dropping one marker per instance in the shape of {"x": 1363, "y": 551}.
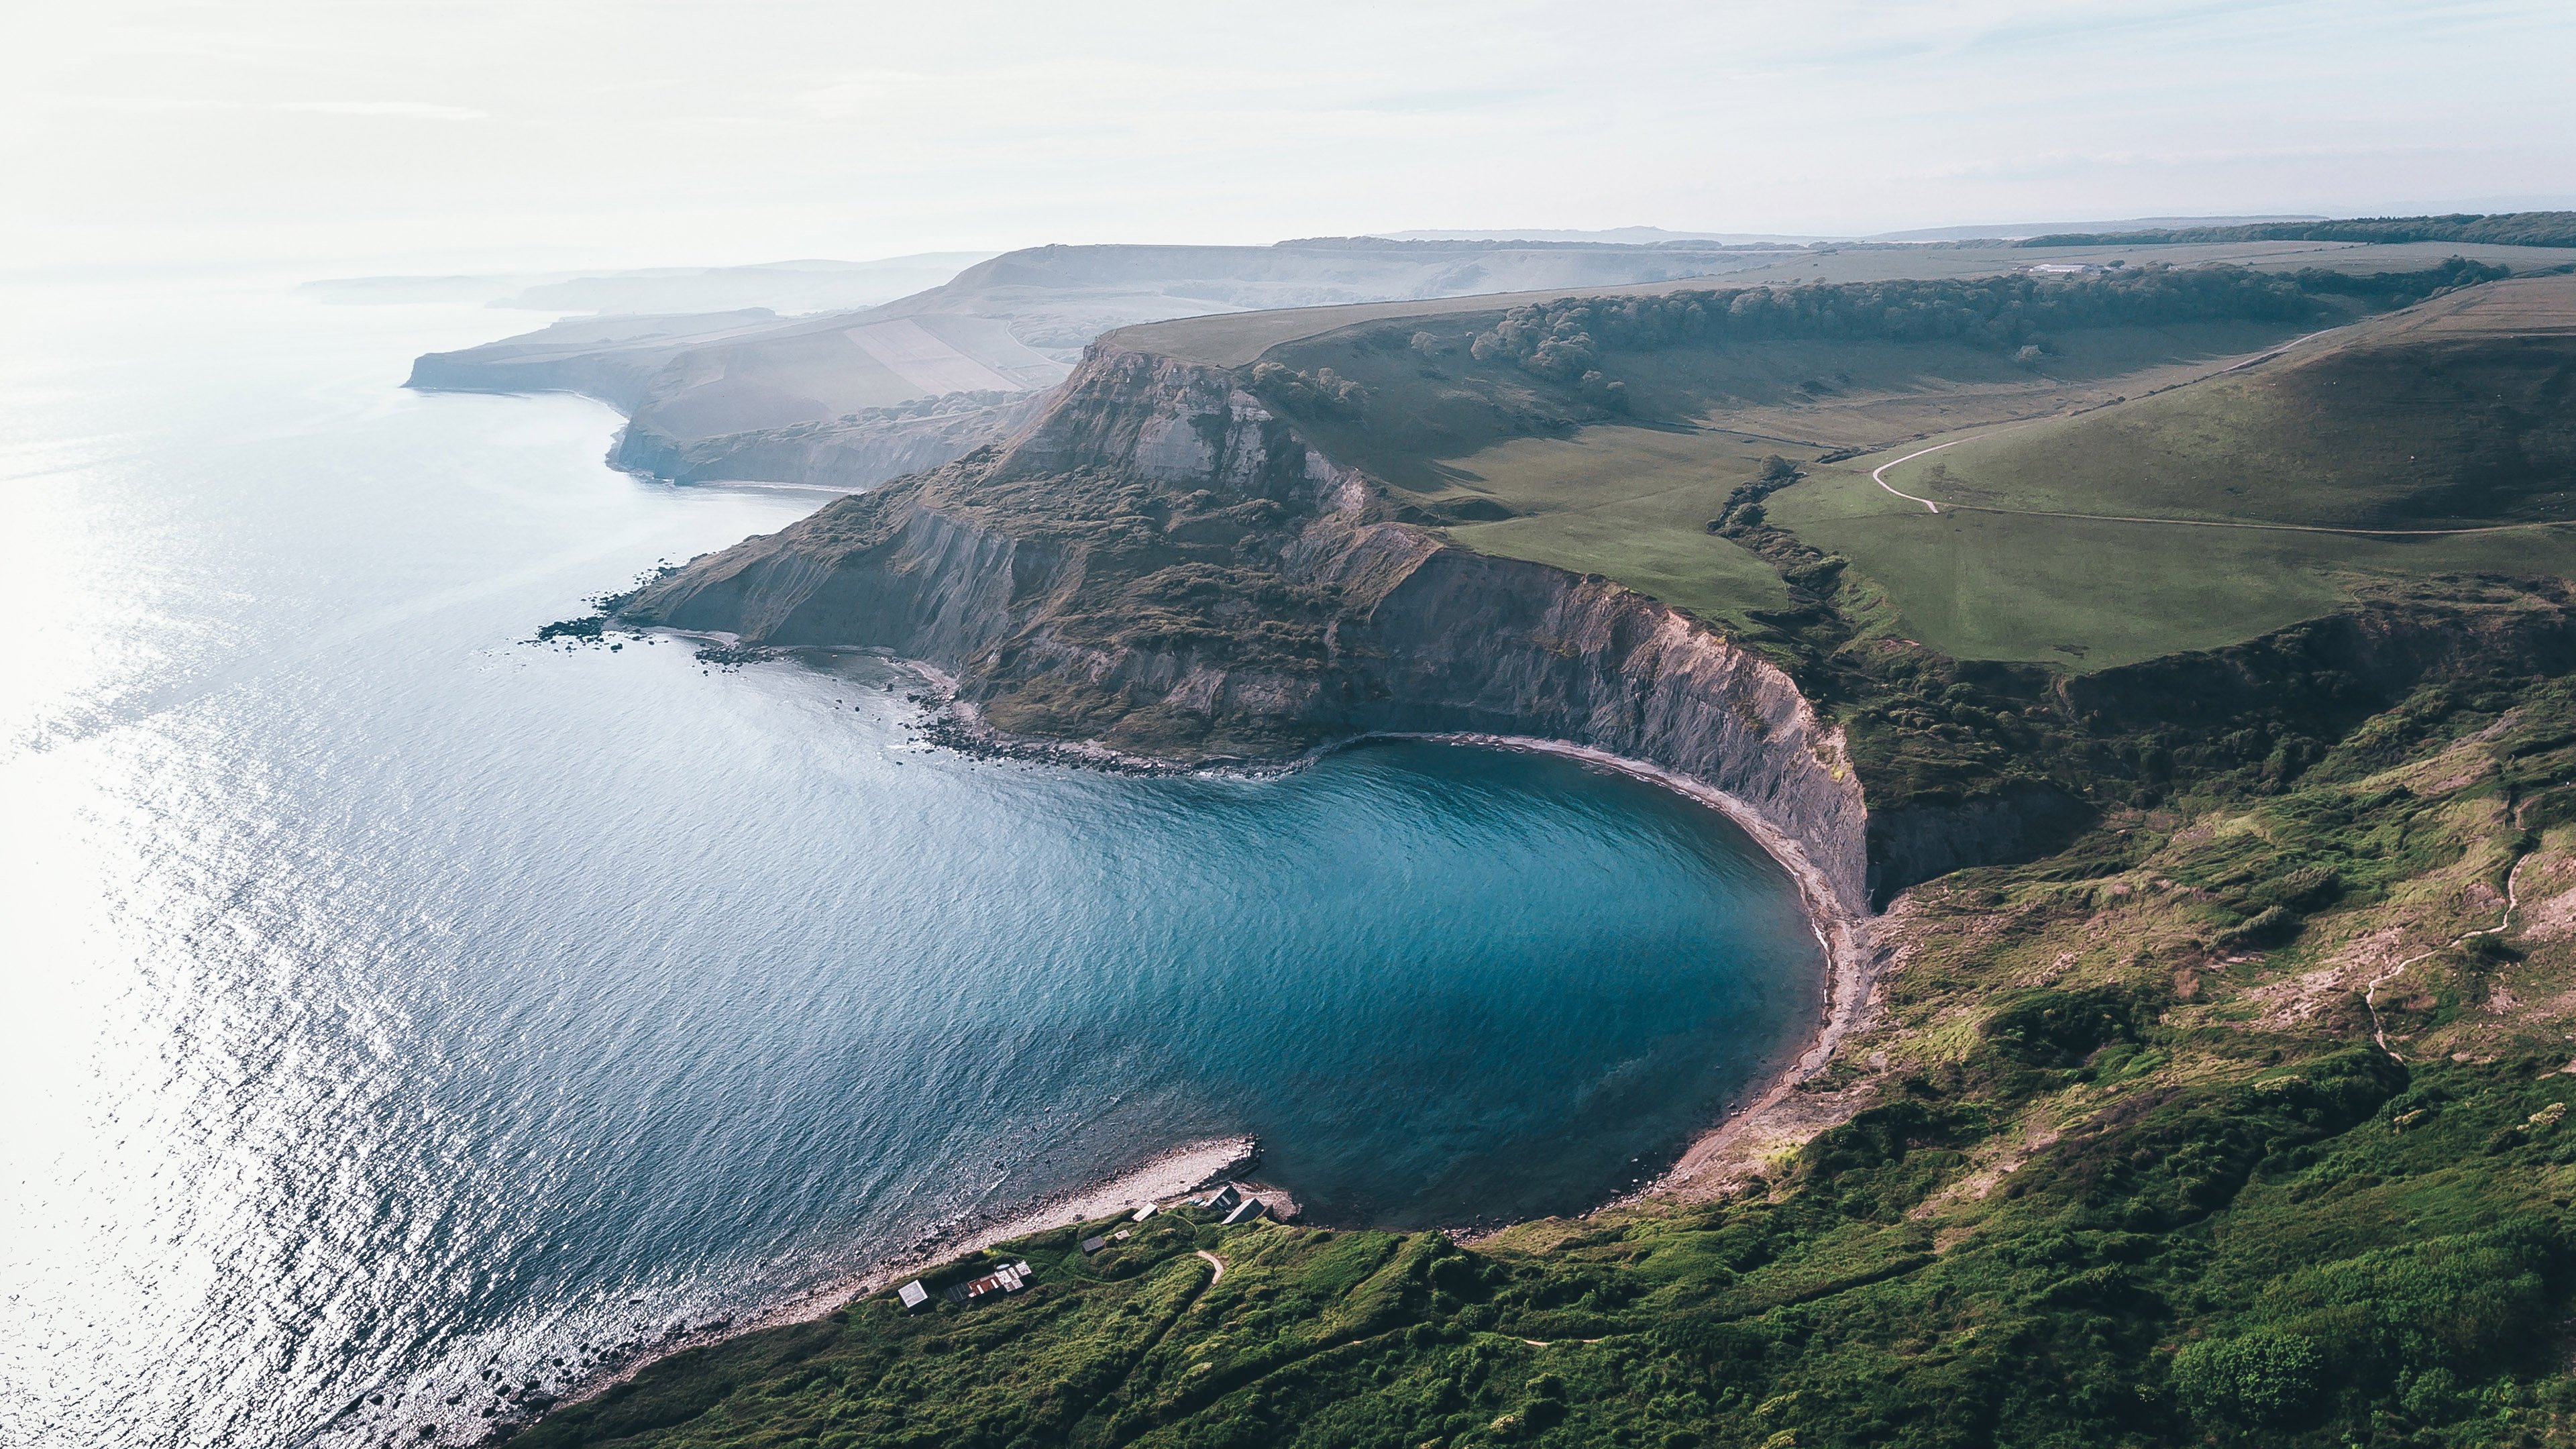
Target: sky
{"x": 373, "y": 135}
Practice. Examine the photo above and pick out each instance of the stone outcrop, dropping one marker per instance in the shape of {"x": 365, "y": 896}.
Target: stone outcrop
{"x": 1006, "y": 570}
{"x": 1468, "y": 642}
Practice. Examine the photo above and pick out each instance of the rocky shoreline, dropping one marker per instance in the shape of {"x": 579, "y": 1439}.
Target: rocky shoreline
{"x": 1853, "y": 959}
{"x": 1841, "y": 933}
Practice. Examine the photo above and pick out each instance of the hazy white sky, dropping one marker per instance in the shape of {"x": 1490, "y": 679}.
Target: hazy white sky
{"x": 397, "y": 134}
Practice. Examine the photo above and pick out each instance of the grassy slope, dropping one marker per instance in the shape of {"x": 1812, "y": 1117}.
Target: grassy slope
{"x": 1462, "y": 439}
{"x": 2128, "y": 1173}
{"x": 2092, "y": 595}
{"x": 2454, "y": 414}
{"x": 1632, "y": 503}
{"x": 1430, "y": 416}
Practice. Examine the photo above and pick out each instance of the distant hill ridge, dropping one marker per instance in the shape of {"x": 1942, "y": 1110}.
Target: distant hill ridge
{"x": 2513, "y": 228}
{"x": 1423, "y": 242}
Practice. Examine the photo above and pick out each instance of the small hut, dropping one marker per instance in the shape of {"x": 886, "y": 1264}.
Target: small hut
{"x": 1009, "y": 1278}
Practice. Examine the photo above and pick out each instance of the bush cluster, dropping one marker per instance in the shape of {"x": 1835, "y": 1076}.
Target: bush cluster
{"x": 1320, "y": 391}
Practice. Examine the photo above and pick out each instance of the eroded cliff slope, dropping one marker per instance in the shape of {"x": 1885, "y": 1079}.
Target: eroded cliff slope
{"x": 1162, "y": 566}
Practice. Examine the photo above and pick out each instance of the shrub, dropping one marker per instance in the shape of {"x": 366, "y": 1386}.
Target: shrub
{"x": 2270, "y": 926}
{"x": 1320, "y": 391}
{"x": 2059, "y": 1029}
{"x": 2304, "y": 889}
{"x": 2263, "y": 1377}
{"x": 1603, "y": 392}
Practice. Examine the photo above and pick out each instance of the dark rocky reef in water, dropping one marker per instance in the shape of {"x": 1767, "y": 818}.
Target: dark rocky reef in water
{"x": 1163, "y": 566}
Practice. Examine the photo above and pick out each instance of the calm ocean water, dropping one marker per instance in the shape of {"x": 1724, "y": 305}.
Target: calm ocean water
{"x": 388, "y": 997}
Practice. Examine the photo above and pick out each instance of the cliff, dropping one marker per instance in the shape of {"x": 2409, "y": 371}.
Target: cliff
{"x": 1160, "y": 565}
{"x": 859, "y": 450}
{"x": 613, "y": 359}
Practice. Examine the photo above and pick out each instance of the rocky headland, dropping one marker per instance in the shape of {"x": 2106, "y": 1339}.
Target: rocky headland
{"x": 2178, "y": 1013}
{"x": 1161, "y": 566}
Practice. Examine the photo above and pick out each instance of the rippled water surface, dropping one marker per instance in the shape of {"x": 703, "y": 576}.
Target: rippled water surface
{"x": 386, "y": 996}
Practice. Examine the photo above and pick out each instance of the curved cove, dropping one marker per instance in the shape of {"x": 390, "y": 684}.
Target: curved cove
{"x": 418, "y": 1001}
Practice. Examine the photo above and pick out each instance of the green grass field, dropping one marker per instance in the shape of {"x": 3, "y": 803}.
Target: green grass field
{"x": 1234, "y": 339}
{"x": 1430, "y": 415}
{"x": 2451, "y": 415}
{"x": 1631, "y": 503}
{"x": 2090, "y": 595}
{"x": 1463, "y": 441}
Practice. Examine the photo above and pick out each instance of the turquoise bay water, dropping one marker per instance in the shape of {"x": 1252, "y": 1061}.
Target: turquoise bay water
{"x": 389, "y": 998}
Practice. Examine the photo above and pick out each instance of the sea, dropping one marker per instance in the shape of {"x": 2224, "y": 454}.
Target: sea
{"x": 391, "y": 999}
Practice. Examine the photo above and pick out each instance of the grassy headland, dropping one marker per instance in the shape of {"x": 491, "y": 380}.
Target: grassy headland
{"x": 2232, "y": 1111}
{"x": 2512, "y": 228}
{"x": 1606, "y": 435}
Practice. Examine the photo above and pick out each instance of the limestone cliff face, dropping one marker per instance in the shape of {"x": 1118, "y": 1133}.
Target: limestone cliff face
{"x": 1464, "y": 641}
{"x": 1161, "y": 564}
{"x": 925, "y": 584}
